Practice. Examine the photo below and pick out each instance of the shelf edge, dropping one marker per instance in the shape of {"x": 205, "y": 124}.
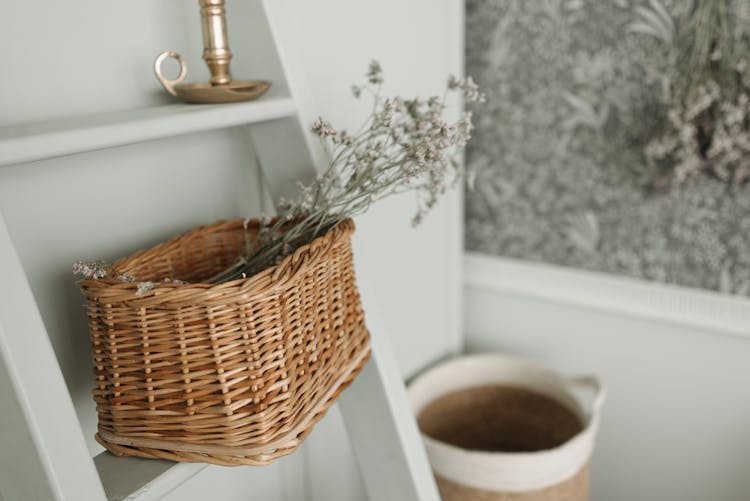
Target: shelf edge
{"x": 86, "y": 138}
{"x": 136, "y": 479}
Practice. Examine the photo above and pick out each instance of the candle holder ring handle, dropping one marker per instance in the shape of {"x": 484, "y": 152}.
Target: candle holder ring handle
{"x": 168, "y": 84}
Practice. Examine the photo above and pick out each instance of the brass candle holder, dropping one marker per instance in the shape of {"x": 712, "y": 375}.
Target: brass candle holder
{"x": 221, "y": 88}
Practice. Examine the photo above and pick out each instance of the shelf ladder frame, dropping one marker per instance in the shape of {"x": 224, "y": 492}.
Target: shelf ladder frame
{"x": 46, "y": 456}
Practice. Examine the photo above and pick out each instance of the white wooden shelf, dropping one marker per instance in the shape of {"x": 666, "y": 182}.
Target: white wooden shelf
{"x": 131, "y": 478}
{"x": 56, "y": 138}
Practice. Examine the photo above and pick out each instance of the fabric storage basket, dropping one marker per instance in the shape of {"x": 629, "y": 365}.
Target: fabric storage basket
{"x": 233, "y": 373}
{"x": 499, "y": 428}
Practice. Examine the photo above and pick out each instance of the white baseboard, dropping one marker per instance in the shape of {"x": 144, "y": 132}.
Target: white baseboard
{"x": 700, "y": 309}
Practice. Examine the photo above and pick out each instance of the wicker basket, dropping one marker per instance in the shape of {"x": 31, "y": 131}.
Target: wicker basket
{"x": 231, "y": 374}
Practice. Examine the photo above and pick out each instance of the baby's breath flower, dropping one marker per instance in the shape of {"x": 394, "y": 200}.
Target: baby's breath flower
{"x": 91, "y": 270}
{"x": 453, "y": 82}
{"x": 323, "y": 129}
{"x": 471, "y": 91}
{"x": 344, "y": 138}
{"x": 375, "y": 73}
{"x": 144, "y": 287}
{"x": 283, "y": 204}
{"x": 417, "y": 219}
{"x": 468, "y": 86}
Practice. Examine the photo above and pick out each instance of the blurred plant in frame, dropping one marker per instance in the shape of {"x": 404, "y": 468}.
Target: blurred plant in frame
{"x": 707, "y": 125}
{"x": 567, "y": 148}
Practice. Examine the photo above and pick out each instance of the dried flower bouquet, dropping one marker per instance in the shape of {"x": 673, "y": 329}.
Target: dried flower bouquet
{"x": 404, "y": 145}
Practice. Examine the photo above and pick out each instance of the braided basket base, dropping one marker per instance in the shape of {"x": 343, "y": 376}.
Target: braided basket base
{"x": 126, "y": 446}
{"x": 576, "y": 488}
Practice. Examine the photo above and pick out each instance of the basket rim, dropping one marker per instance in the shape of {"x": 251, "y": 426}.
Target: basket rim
{"x": 268, "y": 280}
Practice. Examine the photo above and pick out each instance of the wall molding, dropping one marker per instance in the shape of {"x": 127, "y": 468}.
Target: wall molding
{"x": 693, "y": 308}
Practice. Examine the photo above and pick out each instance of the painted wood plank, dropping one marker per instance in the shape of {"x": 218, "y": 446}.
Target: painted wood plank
{"x": 287, "y": 153}
{"x": 282, "y": 156}
{"x": 627, "y": 296}
{"x": 36, "y": 141}
{"x": 378, "y": 418}
{"x": 54, "y": 462}
{"x": 131, "y": 478}
{"x": 278, "y": 15}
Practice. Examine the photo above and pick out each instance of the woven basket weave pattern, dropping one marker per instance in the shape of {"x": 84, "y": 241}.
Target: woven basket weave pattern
{"x": 576, "y": 488}
{"x": 233, "y": 373}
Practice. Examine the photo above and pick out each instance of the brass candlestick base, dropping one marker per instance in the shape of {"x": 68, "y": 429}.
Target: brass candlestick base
{"x": 207, "y": 92}
{"x": 221, "y": 88}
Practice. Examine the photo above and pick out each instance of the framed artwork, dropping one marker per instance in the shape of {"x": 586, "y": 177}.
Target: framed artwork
{"x": 615, "y": 137}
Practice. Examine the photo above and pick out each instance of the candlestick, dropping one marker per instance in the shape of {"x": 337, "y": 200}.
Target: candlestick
{"x": 220, "y": 88}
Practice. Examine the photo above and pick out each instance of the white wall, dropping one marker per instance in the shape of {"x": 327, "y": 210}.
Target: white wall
{"x": 676, "y": 425}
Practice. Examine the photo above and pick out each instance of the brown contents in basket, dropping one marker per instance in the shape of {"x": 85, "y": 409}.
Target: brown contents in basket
{"x": 499, "y": 418}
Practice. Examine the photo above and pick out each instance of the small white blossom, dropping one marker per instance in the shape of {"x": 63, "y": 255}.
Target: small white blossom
{"x": 469, "y": 87}
{"x": 323, "y": 129}
{"x": 375, "y": 73}
{"x": 91, "y": 270}
{"x": 144, "y": 287}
